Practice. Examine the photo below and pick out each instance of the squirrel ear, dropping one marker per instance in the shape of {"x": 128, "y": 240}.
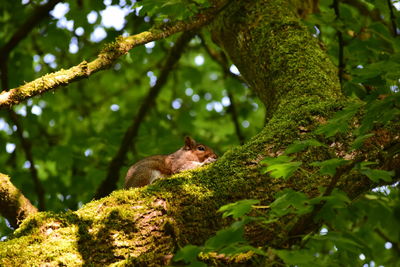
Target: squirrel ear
{"x": 189, "y": 142}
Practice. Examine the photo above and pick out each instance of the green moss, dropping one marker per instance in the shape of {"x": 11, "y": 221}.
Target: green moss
{"x": 275, "y": 53}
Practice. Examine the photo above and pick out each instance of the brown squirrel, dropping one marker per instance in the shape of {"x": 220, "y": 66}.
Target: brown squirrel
{"x": 190, "y": 156}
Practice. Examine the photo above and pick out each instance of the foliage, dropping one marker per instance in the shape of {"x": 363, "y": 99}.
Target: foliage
{"x": 358, "y": 232}
{"x": 229, "y": 241}
{"x": 281, "y": 166}
{"x": 170, "y": 9}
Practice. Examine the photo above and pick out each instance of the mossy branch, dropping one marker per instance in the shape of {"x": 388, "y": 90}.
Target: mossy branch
{"x": 14, "y": 206}
{"x": 105, "y": 59}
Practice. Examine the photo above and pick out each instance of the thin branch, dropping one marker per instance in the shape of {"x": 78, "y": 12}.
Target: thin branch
{"x": 25, "y": 143}
{"x": 307, "y": 221}
{"x": 235, "y": 118}
{"x": 14, "y": 206}
{"x": 340, "y": 43}
{"x": 37, "y": 16}
{"x": 221, "y": 59}
{"x": 392, "y": 18}
{"x": 110, "y": 183}
{"x": 27, "y": 148}
{"x": 105, "y": 59}
{"x": 395, "y": 244}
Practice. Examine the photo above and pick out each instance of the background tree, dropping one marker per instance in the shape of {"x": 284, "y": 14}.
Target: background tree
{"x": 64, "y": 148}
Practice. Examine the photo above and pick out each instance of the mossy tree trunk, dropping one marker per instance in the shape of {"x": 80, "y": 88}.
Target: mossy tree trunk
{"x": 286, "y": 67}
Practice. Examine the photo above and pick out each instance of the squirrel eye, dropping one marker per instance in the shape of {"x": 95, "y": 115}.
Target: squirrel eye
{"x": 201, "y": 148}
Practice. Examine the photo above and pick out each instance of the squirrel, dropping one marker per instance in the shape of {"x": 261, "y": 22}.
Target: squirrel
{"x": 190, "y": 156}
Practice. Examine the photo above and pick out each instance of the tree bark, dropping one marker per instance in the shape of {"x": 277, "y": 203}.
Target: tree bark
{"x": 286, "y": 67}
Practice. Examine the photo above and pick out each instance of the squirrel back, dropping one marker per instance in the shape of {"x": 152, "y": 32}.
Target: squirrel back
{"x": 190, "y": 156}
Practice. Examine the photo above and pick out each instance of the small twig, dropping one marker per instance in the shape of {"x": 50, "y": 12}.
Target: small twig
{"x": 396, "y": 245}
{"x": 110, "y": 182}
{"x": 37, "y": 16}
{"x": 307, "y": 221}
{"x": 392, "y": 18}
{"x": 25, "y": 143}
{"x": 220, "y": 58}
{"x": 27, "y": 148}
{"x": 340, "y": 43}
{"x": 235, "y": 118}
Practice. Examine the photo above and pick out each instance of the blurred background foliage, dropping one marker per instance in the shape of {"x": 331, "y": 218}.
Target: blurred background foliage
{"x": 75, "y": 131}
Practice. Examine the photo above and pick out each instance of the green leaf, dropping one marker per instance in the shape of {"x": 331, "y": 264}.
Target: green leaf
{"x": 298, "y": 146}
{"x": 188, "y": 254}
{"x": 365, "y": 164}
{"x": 380, "y": 111}
{"x": 290, "y": 201}
{"x": 239, "y": 208}
{"x": 175, "y": 9}
{"x": 328, "y": 167}
{"x": 276, "y": 160}
{"x": 375, "y": 175}
{"x": 225, "y": 237}
{"x": 280, "y": 166}
{"x": 295, "y": 257}
{"x": 346, "y": 242}
{"x": 337, "y": 200}
{"x": 360, "y": 140}
{"x": 339, "y": 122}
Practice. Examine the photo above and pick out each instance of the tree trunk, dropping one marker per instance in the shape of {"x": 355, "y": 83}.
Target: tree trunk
{"x": 291, "y": 74}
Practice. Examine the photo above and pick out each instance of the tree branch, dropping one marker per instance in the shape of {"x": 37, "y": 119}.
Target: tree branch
{"x": 396, "y": 245}
{"x": 105, "y": 59}
{"x": 14, "y": 206}
{"x": 340, "y": 43}
{"x": 307, "y": 222}
{"x": 25, "y": 143}
{"x": 38, "y": 14}
{"x": 109, "y": 184}
{"x": 392, "y": 18}
{"x": 221, "y": 59}
{"x": 27, "y": 148}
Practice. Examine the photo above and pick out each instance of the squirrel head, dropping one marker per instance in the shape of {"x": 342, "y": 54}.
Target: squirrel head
{"x": 199, "y": 152}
